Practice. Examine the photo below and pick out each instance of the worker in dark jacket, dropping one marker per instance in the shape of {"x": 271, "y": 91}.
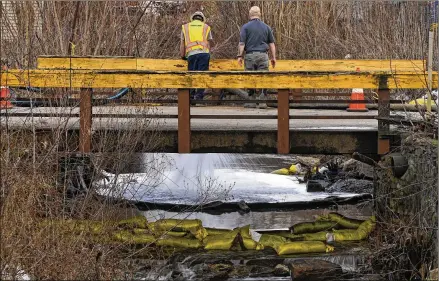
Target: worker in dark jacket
{"x": 256, "y": 40}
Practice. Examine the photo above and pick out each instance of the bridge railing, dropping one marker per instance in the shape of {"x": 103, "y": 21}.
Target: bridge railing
{"x": 290, "y": 76}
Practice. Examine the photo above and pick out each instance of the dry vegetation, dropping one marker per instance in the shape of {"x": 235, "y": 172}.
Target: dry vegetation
{"x": 303, "y": 30}
{"x": 33, "y": 189}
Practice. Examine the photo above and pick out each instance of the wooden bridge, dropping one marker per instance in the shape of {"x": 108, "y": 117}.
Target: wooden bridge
{"x": 289, "y": 77}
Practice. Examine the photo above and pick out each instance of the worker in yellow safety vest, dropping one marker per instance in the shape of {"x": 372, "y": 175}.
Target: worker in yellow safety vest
{"x": 195, "y": 46}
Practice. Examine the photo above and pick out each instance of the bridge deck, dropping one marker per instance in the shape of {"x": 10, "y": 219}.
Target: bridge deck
{"x": 166, "y": 123}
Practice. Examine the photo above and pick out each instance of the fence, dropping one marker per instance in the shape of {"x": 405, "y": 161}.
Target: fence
{"x": 290, "y": 77}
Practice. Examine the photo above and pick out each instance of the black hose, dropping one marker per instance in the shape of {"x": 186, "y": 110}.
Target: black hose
{"x": 26, "y": 102}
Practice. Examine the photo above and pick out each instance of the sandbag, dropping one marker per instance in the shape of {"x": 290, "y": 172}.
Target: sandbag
{"x": 140, "y": 231}
{"x": 175, "y": 224}
{"x": 303, "y": 247}
{"x": 216, "y": 231}
{"x": 312, "y": 227}
{"x": 286, "y": 234}
{"x": 251, "y": 244}
{"x": 134, "y": 222}
{"x": 318, "y": 236}
{"x": 175, "y": 234}
{"x": 344, "y": 221}
{"x": 272, "y": 241}
{"x": 198, "y": 232}
{"x": 128, "y": 237}
{"x": 223, "y": 241}
{"x": 295, "y": 169}
{"x": 160, "y": 234}
{"x": 194, "y": 227}
{"x": 361, "y": 233}
{"x": 179, "y": 242}
{"x": 244, "y": 231}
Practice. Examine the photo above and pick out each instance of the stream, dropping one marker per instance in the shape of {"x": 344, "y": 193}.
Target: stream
{"x": 190, "y": 180}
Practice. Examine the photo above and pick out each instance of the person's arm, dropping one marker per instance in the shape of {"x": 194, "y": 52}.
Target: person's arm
{"x": 182, "y": 47}
{"x": 241, "y": 46}
{"x": 210, "y": 41}
{"x": 272, "y": 47}
{"x": 273, "y": 54}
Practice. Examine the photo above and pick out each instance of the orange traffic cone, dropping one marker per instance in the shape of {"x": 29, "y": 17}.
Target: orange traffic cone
{"x": 5, "y": 96}
{"x": 357, "y": 94}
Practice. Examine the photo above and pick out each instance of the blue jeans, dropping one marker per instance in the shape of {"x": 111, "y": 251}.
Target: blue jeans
{"x": 198, "y": 62}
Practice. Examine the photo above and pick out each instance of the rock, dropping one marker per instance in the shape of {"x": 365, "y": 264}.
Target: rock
{"x": 281, "y": 270}
{"x": 218, "y": 271}
{"x": 358, "y": 169}
{"x": 220, "y": 267}
{"x": 316, "y": 185}
{"x": 351, "y": 186}
{"x": 240, "y": 271}
{"x": 243, "y": 207}
{"x": 314, "y": 270}
{"x": 261, "y": 271}
{"x": 308, "y": 161}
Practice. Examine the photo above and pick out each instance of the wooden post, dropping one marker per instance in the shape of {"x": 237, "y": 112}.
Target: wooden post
{"x": 383, "y": 127}
{"x": 283, "y": 122}
{"x": 85, "y": 120}
{"x": 184, "y": 121}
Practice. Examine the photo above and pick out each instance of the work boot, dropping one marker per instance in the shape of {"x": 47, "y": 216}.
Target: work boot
{"x": 262, "y": 105}
{"x": 250, "y": 105}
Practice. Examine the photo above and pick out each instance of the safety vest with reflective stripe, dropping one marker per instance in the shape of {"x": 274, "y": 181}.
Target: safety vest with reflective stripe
{"x": 196, "y": 35}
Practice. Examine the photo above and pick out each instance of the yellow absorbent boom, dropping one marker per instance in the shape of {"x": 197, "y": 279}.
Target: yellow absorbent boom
{"x": 312, "y": 227}
{"x": 272, "y": 241}
{"x": 223, "y": 241}
{"x": 175, "y": 224}
{"x": 134, "y": 222}
{"x": 137, "y": 238}
{"x": 180, "y": 242}
{"x": 303, "y": 247}
{"x": 127, "y": 236}
{"x": 343, "y": 221}
{"x": 361, "y": 233}
{"x": 216, "y": 231}
{"x": 250, "y": 244}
